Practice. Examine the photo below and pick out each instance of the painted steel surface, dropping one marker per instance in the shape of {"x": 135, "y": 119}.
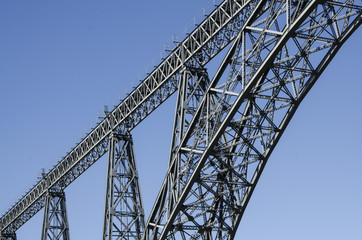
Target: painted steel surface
{"x": 226, "y": 126}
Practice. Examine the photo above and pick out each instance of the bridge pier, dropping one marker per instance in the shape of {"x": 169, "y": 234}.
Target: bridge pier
{"x": 123, "y": 214}
{"x": 55, "y": 222}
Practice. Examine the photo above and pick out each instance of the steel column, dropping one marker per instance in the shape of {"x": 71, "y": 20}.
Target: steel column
{"x": 124, "y": 214}
{"x": 55, "y": 222}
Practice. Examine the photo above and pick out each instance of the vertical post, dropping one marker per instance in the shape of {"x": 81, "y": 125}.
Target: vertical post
{"x": 288, "y": 6}
{"x": 192, "y": 86}
{"x": 55, "y": 222}
{"x": 243, "y": 66}
{"x": 124, "y": 214}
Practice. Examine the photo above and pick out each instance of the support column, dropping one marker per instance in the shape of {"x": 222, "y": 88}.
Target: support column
{"x": 192, "y": 87}
{"x": 124, "y": 214}
{"x": 55, "y": 223}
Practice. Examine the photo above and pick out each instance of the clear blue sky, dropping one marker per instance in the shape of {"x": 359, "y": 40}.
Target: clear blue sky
{"x": 61, "y": 61}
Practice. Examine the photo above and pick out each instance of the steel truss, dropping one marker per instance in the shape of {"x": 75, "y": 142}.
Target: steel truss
{"x": 204, "y": 43}
{"x": 227, "y": 127}
{"x": 222, "y": 149}
{"x": 124, "y": 214}
{"x": 55, "y": 222}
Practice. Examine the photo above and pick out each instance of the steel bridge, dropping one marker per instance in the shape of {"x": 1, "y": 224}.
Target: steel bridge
{"x": 225, "y": 128}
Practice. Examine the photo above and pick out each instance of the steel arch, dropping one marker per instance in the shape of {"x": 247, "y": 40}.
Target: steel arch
{"x": 199, "y": 209}
{"x": 82, "y": 166}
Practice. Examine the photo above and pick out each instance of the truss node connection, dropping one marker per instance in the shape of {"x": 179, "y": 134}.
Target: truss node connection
{"x": 227, "y": 125}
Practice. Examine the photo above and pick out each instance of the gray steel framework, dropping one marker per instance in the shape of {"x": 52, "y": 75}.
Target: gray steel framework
{"x": 123, "y": 214}
{"x": 204, "y": 43}
{"x": 225, "y": 134}
{"x": 55, "y": 222}
{"x": 279, "y": 53}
